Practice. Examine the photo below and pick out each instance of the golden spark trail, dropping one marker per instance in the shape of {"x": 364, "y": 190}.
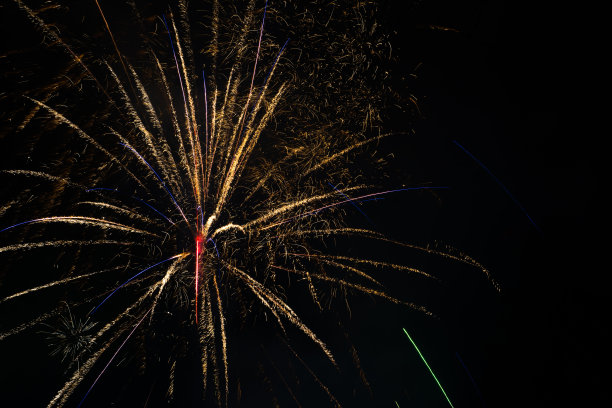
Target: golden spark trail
{"x": 358, "y": 287}
{"x": 61, "y": 118}
{"x": 119, "y": 210}
{"x": 49, "y": 33}
{"x": 223, "y": 336}
{"x": 339, "y": 265}
{"x": 184, "y": 160}
{"x": 135, "y": 118}
{"x": 110, "y": 33}
{"x": 349, "y": 149}
{"x": 76, "y": 219}
{"x": 44, "y": 176}
{"x": 292, "y": 205}
{"x": 62, "y": 243}
{"x": 366, "y": 261}
{"x": 280, "y": 306}
{"x": 58, "y": 282}
{"x": 189, "y": 114}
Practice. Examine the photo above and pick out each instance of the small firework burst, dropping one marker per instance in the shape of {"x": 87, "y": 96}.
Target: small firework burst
{"x": 71, "y": 338}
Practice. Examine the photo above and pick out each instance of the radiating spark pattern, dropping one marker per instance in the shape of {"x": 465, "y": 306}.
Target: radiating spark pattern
{"x": 188, "y": 202}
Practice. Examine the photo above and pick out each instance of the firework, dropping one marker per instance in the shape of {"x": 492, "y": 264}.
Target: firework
{"x": 183, "y": 182}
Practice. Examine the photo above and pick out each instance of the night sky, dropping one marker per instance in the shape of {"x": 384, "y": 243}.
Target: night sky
{"x": 507, "y": 87}
{"x": 498, "y": 78}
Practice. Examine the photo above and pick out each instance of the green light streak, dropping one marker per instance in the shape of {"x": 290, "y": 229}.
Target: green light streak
{"x": 396, "y": 404}
{"x": 428, "y": 367}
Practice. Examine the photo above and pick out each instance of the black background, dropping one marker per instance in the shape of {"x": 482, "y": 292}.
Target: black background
{"x": 509, "y": 85}
{"x": 503, "y": 79}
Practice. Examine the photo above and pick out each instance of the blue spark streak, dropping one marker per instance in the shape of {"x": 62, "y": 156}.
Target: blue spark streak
{"x": 481, "y": 164}
{"x": 131, "y": 279}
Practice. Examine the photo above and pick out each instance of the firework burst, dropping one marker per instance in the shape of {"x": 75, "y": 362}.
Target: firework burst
{"x": 177, "y": 204}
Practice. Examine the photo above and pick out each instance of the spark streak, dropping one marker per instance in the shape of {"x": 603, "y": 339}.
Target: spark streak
{"x": 428, "y": 367}
{"x": 113, "y": 357}
{"x": 135, "y": 276}
{"x": 75, "y": 219}
{"x": 499, "y": 183}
